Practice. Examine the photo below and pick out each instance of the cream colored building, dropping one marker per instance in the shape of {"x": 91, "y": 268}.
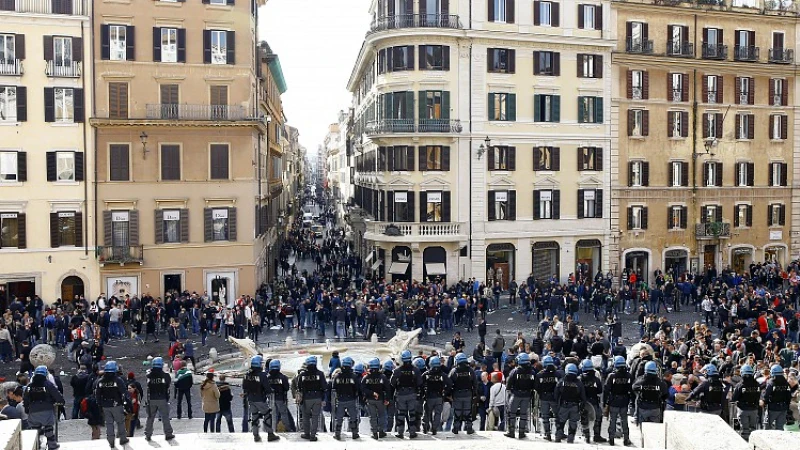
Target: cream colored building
{"x": 46, "y": 151}
{"x": 437, "y": 81}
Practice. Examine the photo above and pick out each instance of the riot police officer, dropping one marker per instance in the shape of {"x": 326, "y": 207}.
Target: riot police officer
{"x": 520, "y": 388}
{"x": 617, "y": 394}
{"x": 40, "y": 398}
{"x": 312, "y": 387}
{"x": 158, "y": 383}
{"x": 435, "y": 386}
{"x": 257, "y": 388}
{"x": 388, "y": 370}
{"x": 419, "y": 412}
{"x": 344, "y": 392}
{"x": 375, "y": 389}
{"x": 591, "y": 412}
{"x": 545, "y": 385}
{"x": 711, "y": 392}
{"x": 652, "y": 394}
{"x": 465, "y": 387}
{"x": 570, "y": 396}
{"x": 405, "y": 381}
{"x": 110, "y": 392}
{"x": 776, "y": 398}
{"x": 280, "y": 389}
{"x": 746, "y": 395}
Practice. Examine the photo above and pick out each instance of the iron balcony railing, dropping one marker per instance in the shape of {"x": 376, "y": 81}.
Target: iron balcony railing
{"x": 196, "y": 112}
{"x": 11, "y": 67}
{"x": 745, "y": 53}
{"x": 415, "y": 21}
{"x": 712, "y": 230}
{"x": 715, "y": 51}
{"x": 680, "y": 48}
{"x": 388, "y": 126}
{"x": 121, "y": 254}
{"x": 65, "y": 7}
{"x": 70, "y": 70}
{"x": 639, "y": 46}
{"x": 439, "y": 126}
{"x": 781, "y": 55}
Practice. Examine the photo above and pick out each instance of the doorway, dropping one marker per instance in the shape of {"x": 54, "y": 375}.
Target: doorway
{"x": 638, "y": 262}
{"x": 173, "y": 284}
{"x": 219, "y": 289}
{"x": 587, "y": 258}
{"x": 709, "y": 256}
{"x": 500, "y": 263}
{"x": 675, "y": 262}
{"x": 546, "y": 261}
{"x": 71, "y": 287}
{"x": 741, "y": 259}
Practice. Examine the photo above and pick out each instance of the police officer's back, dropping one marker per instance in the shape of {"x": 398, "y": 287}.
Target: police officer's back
{"x": 652, "y": 392}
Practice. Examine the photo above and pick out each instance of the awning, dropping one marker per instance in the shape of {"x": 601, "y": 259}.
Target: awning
{"x": 369, "y": 257}
{"x": 376, "y": 265}
{"x": 398, "y": 268}
{"x": 435, "y": 269}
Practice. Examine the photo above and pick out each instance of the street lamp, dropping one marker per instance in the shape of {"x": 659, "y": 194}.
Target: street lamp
{"x": 484, "y": 147}
{"x": 143, "y": 138}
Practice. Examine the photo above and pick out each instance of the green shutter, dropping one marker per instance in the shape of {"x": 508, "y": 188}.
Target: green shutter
{"x": 423, "y": 96}
{"x": 491, "y": 106}
{"x": 556, "y": 104}
{"x": 409, "y": 105}
{"x": 598, "y": 109}
{"x": 537, "y": 113}
{"x": 511, "y": 107}
{"x": 580, "y": 110}
{"x": 446, "y": 105}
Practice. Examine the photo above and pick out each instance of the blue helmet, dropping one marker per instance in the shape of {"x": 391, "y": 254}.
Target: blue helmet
{"x": 311, "y": 361}
{"x": 461, "y": 358}
{"x": 651, "y": 368}
{"x": 374, "y": 363}
{"x": 587, "y": 365}
{"x": 711, "y": 370}
{"x": 41, "y": 370}
{"x": 435, "y": 362}
{"x": 388, "y": 365}
{"x": 548, "y": 361}
{"x": 419, "y": 363}
{"x": 406, "y": 356}
{"x": 158, "y": 362}
{"x": 523, "y": 359}
{"x": 111, "y": 366}
{"x": 572, "y": 369}
{"x": 776, "y": 370}
{"x": 747, "y": 369}
{"x": 348, "y": 362}
{"x": 257, "y": 361}
{"x": 619, "y": 362}
{"x": 358, "y": 368}
{"x": 275, "y": 364}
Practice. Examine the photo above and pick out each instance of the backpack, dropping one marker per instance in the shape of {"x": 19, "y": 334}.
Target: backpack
{"x": 87, "y": 405}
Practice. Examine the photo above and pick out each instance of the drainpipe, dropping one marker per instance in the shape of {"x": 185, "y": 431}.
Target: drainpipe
{"x": 85, "y": 153}
{"x": 94, "y": 133}
{"x": 469, "y": 249}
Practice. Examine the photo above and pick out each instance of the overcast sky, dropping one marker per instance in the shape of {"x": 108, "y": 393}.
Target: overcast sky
{"x": 317, "y": 42}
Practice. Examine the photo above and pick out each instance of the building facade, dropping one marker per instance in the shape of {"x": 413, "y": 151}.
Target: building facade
{"x": 46, "y": 151}
{"x": 178, "y": 126}
{"x": 703, "y": 128}
{"x": 483, "y": 138}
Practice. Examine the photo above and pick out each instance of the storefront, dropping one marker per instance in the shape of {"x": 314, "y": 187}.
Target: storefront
{"x": 434, "y": 264}
{"x": 500, "y": 263}
{"x": 16, "y": 287}
{"x": 400, "y": 268}
{"x": 121, "y": 286}
{"x": 775, "y": 253}
{"x": 676, "y": 261}
{"x": 638, "y": 261}
{"x": 741, "y": 258}
{"x": 546, "y": 261}
{"x": 588, "y": 257}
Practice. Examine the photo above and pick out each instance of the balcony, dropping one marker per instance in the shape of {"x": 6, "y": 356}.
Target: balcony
{"x": 63, "y": 7}
{"x": 11, "y": 67}
{"x": 121, "y": 255}
{"x": 715, "y": 51}
{"x": 639, "y": 46}
{"x": 781, "y": 55}
{"x": 680, "y": 49}
{"x": 712, "y": 230}
{"x": 439, "y": 126}
{"x": 745, "y": 53}
{"x": 389, "y": 126}
{"x": 415, "y": 21}
{"x": 69, "y": 70}
{"x": 419, "y": 231}
{"x": 196, "y": 112}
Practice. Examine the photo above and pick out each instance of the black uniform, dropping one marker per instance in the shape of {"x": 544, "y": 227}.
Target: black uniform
{"x": 435, "y": 386}
{"x": 158, "y": 383}
{"x": 591, "y": 412}
{"x": 617, "y": 394}
{"x": 40, "y": 398}
{"x": 570, "y": 396}
{"x": 375, "y": 389}
{"x": 777, "y": 395}
{"x": 652, "y": 394}
{"x": 257, "y": 389}
{"x": 545, "y": 386}
{"x": 746, "y": 396}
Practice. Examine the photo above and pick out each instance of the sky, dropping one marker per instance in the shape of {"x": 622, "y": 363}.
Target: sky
{"x": 317, "y": 42}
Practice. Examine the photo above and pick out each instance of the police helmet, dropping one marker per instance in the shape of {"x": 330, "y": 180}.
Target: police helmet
{"x": 711, "y": 370}
{"x": 419, "y": 363}
{"x": 158, "y": 362}
{"x": 619, "y": 362}
{"x": 435, "y": 362}
{"x": 348, "y": 362}
{"x": 406, "y": 356}
{"x": 461, "y": 358}
{"x": 41, "y": 370}
{"x": 256, "y": 361}
{"x": 548, "y": 361}
{"x": 275, "y": 364}
{"x": 747, "y": 370}
{"x": 358, "y": 368}
{"x": 388, "y": 365}
{"x": 110, "y": 367}
{"x": 587, "y": 365}
{"x": 776, "y": 370}
{"x": 311, "y": 361}
{"x": 523, "y": 359}
{"x": 374, "y": 363}
{"x": 651, "y": 368}
{"x": 572, "y": 369}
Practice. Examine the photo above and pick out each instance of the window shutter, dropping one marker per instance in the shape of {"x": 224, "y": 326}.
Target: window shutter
{"x": 390, "y": 159}
{"x": 537, "y": 201}
{"x": 182, "y": 45}
{"x": 207, "y": 48}
{"x": 446, "y": 57}
{"x": 78, "y": 109}
{"x": 705, "y": 125}
{"x": 670, "y": 217}
{"x": 512, "y": 158}
{"x": 751, "y": 126}
{"x": 705, "y": 174}
{"x": 491, "y": 161}
{"x": 581, "y": 12}
{"x": 598, "y": 17}
{"x": 208, "y": 225}
{"x": 411, "y": 208}
{"x": 446, "y": 105}
{"x": 410, "y": 159}
{"x": 105, "y": 43}
{"x": 629, "y": 87}
{"x": 783, "y": 215}
{"x": 491, "y": 106}
{"x": 77, "y": 49}
{"x": 705, "y": 88}
{"x": 784, "y": 127}
{"x": 684, "y": 88}
{"x": 555, "y": 153}
{"x": 581, "y": 213}
{"x": 423, "y": 158}
{"x": 232, "y": 229}
{"x": 556, "y": 63}
{"x": 490, "y": 14}
{"x": 445, "y": 206}
{"x": 630, "y": 218}
{"x": 751, "y": 94}
{"x": 490, "y": 60}
{"x": 509, "y": 11}
{"x": 410, "y": 61}
{"x": 670, "y": 123}
{"x": 49, "y": 105}
{"x": 772, "y": 91}
{"x": 684, "y": 124}
{"x": 511, "y": 107}
{"x": 598, "y": 110}
{"x": 159, "y": 225}
{"x": 785, "y": 94}
{"x": 491, "y": 203}
{"x": 130, "y": 41}
{"x": 22, "y": 167}
{"x": 684, "y": 217}
{"x": 630, "y": 174}
{"x": 645, "y": 173}
{"x": 80, "y": 169}
{"x": 784, "y": 170}
{"x": 556, "y": 204}
{"x": 749, "y": 215}
{"x": 555, "y": 103}
{"x": 578, "y": 60}
{"x": 645, "y": 123}
{"x": 718, "y": 214}
{"x": 537, "y": 110}
{"x": 771, "y": 176}
{"x": 47, "y": 48}
{"x": 22, "y": 104}
{"x": 133, "y": 227}
{"x": 736, "y": 222}
{"x": 19, "y": 46}
{"x": 580, "y": 110}
{"x": 423, "y": 50}
{"x": 79, "y": 229}
{"x": 537, "y": 19}
{"x": 51, "y": 166}
{"x": 719, "y": 124}
{"x": 598, "y": 66}
{"x": 537, "y": 156}
{"x": 446, "y": 158}
{"x": 598, "y": 203}
{"x": 644, "y": 218}
{"x": 107, "y": 235}
{"x": 751, "y": 174}
{"x": 555, "y": 14}
{"x": 156, "y": 44}
{"x": 598, "y": 159}
{"x": 720, "y": 89}
{"x": 670, "y": 174}
{"x": 184, "y": 225}
{"x": 230, "y": 54}
{"x": 631, "y": 122}
{"x": 512, "y": 205}
{"x": 423, "y": 105}
{"x": 720, "y": 174}
{"x": 737, "y": 179}
{"x": 22, "y": 235}
{"x": 54, "y": 240}
{"x": 645, "y": 85}
{"x": 423, "y": 206}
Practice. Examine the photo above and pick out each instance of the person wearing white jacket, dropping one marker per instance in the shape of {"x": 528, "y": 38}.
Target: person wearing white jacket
{"x": 497, "y": 404}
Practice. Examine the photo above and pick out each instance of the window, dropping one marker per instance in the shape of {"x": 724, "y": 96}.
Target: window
{"x": 64, "y": 105}
{"x": 745, "y": 126}
{"x": 169, "y": 45}
{"x": 676, "y": 219}
{"x": 170, "y": 162}
{"x": 545, "y": 207}
{"x": 677, "y": 124}
{"x": 776, "y": 215}
{"x": 434, "y": 158}
{"x": 169, "y": 96}
{"x": 219, "y": 2}
{"x": 502, "y": 205}
{"x": 433, "y": 105}
{"x": 220, "y": 224}
{"x": 637, "y": 218}
{"x": 62, "y": 51}
{"x": 590, "y": 17}
{"x": 778, "y": 94}
{"x": 678, "y": 174}
{"x": 638, "y": 173}
{"x": 745, "y": 49}
{"x": 65, "y": 166}
{"x": 637, "y": 38}
{"x": 401, "y": 208}
{"x": 590, "y": 109}
{"x": 638, "y": 122}
{"x": 678, "y": 88}
{"x": 64, "y": 229}
{"x": 745, "y": 90}
{"x": 501, "y": 60}
{"x": 502, "y": 107}
{"x": 10, "y": 230}
{"x": 546, "y": 108}
{"x": 434, "y": 57}
{"x": 745, "y": 174}
{"x": 172, "y": 226}
{"x": 219, "y": 104}
{"x": 677, "y": 41}
{"x": 590, "y": 203}
{"x": 712, "y": 174}
{"x": 118, "y": 35}
{"x": 8, "y": 103}
{"x": 590, "y": 158}
{"x": 396, "y": 59}
{"x": 546, "y": 159}
{"x": 778, "y": 174}
{"x": 433, "y": 207}
{"x": 121, "y": 230}
{"x": 712, "y": 125}
{"x": 502, "y": 158}
{"x": 501, "y": 11}
{"x": 219, "y": 162}
{"x": 638, "y": 84}
{"x": 590, "y": 66}
{"x": 401, "y": 158}
{"x": 713, "y": 48}
{"x": 8, "y": 54}
{"x": 743, "y": 216}
{"x": 545, "y": 14}
{"x": 219, "y": 47}
{"x": 713, "y": 89}
{"x": 547, "y": 63}
{"x": 117, "y": 100}
{"x": 119, "y": 162}
{"x": 9, "y": 167}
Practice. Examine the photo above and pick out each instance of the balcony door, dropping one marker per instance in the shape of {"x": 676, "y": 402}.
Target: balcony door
{"x": 434, "y": 12}
{"x": 169, "y": 101}
{"x": 120, "y": 234}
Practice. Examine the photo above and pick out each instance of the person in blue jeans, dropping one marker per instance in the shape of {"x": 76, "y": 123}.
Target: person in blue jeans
{"x": 225, "y": 402}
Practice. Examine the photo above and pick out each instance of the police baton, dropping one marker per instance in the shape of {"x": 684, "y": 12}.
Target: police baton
{"x": 56, "y": 427}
